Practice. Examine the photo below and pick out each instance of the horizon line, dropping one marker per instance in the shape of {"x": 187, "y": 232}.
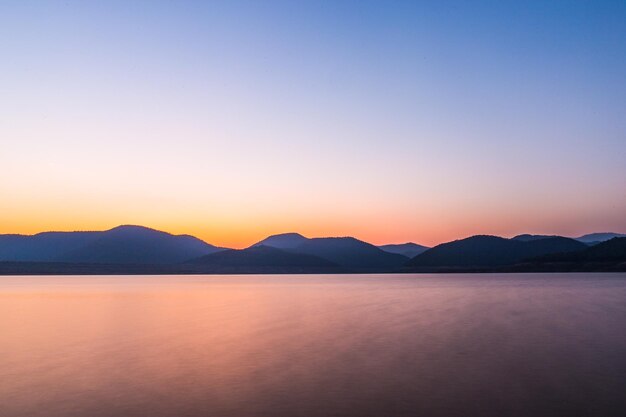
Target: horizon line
{"x": 295, "y": 232}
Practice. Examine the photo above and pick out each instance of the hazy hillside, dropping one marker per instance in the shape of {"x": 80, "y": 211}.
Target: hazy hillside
{"x": 139, "y": 245}
{"x": 262, "y": 256}
{"x": 123, "y": 244}
{"x": 405, "y": 249}
{"x": 613, "y": 250}
{"x": 344, "y": 251}
{"x": 42, "y": 247}
{"x": 528, "y": 237}
{"x": 283, "y": 241}
{"x": 594, "y": 238}
{"x": 350, "y": 252}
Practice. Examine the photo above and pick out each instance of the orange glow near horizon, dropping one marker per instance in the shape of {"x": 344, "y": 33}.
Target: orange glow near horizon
{"x": 392, "y": 125}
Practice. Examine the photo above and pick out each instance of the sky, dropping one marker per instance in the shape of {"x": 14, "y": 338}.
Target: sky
{"x": 389, "y": 121}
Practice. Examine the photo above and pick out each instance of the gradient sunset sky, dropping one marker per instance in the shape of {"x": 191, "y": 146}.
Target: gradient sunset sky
{"x": 389, "y": 121}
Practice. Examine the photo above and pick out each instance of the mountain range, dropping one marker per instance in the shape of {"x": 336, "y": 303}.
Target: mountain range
{"x": 345, "y": 252}
{"x": 137, "y": 249}
{"x": 120, "y": 245}
{"x": 256, "y": 259}
{"x": 589, "y": 239}
{"x": 409, "y": 249}
{"x": 490, "y": 251}
{"x": 613, "y": 250}
{"x": 595, "y": 238}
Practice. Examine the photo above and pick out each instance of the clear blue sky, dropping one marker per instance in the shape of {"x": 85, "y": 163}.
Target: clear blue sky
{"x": 390, "y": 121}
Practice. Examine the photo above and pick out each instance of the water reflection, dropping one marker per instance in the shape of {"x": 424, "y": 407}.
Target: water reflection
{"x": 498, "y": 345}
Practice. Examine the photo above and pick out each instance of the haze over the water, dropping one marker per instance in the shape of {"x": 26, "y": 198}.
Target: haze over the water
{"x": 388, "y": 121}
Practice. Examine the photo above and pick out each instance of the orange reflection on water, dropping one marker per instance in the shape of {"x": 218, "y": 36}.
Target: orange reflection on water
{"x": 365, "y": 345}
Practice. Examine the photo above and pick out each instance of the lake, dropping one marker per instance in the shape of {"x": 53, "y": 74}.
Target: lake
{"x": 313, "y": 345}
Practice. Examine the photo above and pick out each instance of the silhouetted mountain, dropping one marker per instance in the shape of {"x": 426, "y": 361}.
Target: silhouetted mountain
{"x": 347, "y": 252}
{"x": 138, "y": 245}
{"x": 262, "y": 256}
{"x": 283, "y": 241}
{"x": 123, "y": 244}
{"x": 490, "y": 251}
{"x": 595, "y": 238}
{"x": 42, "y": 247}
{"x": 350, "y": 252}
{"x": 590, "y": 239}
{"x": 528, "y": 238}
{"x": 136, "y": 249}
{"x": 613, "y": 250}
{"x": 409, "y": 250}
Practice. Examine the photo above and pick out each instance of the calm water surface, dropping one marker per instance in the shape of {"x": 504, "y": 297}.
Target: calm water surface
{"x": 358, "y": 345}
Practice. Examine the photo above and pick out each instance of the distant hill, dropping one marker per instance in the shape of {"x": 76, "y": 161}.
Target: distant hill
{"x": 138, "y": 245}
{"x": 491, "y": 251}
{"x": 42, "y": 247}
{"x": 528, "y": 238}
{"x": 590, "y": 239}
{"x": 595, "y": 238}
{"x": 262, "y": 256}
{"x": 347, "y": 252}
{"x": 136, "y": 249}
{"x": 613, "y": 250}
{"x": 406, "y": 249}
{"x": 350, "y": 252}
{"x": 123, "y": 244}
{"x": 283, "y": 241}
